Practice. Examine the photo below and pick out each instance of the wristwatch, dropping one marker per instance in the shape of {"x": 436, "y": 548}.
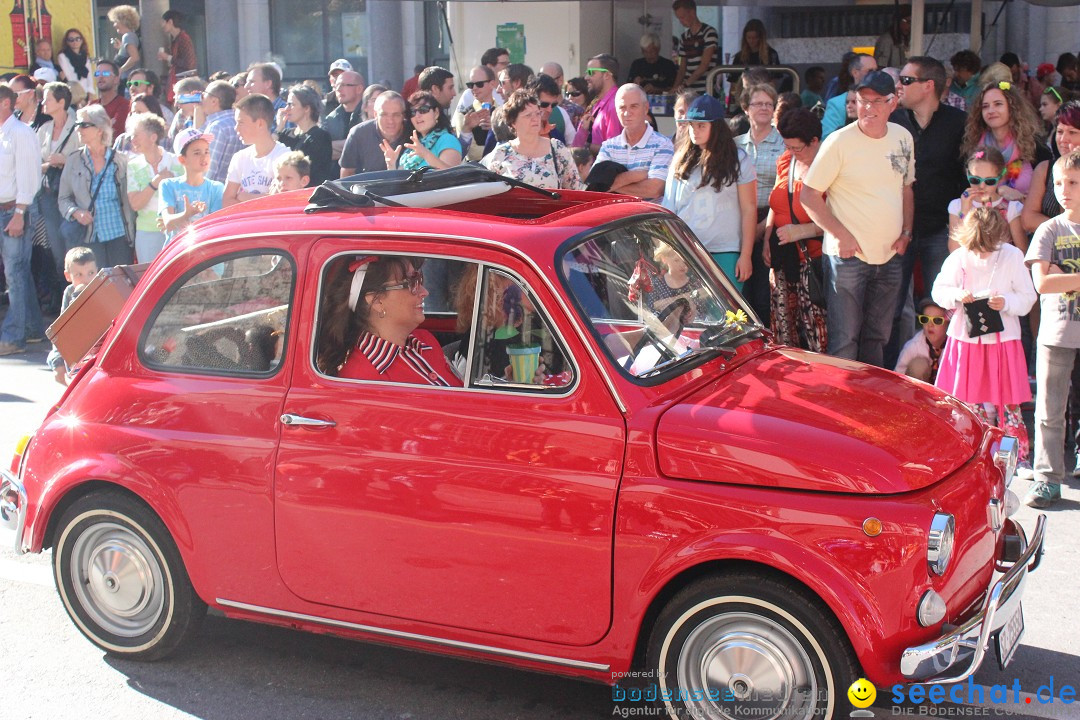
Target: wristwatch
{"x": 906, "y": 233}
{"x": 20, "y": 211}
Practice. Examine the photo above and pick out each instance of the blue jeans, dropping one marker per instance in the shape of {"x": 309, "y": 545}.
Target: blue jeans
{"x": 861, "y": 300}
{"x": 23, "y": 317}
{"x": 930, "y": 249}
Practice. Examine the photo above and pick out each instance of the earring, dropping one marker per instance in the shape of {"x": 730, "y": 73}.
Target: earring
{"x": 382, "y": 314}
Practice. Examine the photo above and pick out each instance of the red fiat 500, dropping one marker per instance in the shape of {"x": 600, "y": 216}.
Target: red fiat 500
{"x": 592, "y": 461}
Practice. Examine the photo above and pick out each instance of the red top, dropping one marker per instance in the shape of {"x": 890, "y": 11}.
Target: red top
{"x": 118, "y": 112}
{"x": 778, "y": 200}
{"x": 420, "y": 361}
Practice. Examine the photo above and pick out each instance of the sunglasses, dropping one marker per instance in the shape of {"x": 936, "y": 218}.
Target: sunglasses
{"x": 574, "y": 93}
{"x": 411, "y": 283}
{"x": 84, "y": 124}
{"x": 906, "y": 80}
{"x": 136, "y": 83}
{"x": 1053, "y": 91}
{"x": 103, "y": 73}
{"x": 545, "y": 105}
{"x": 477, "y": 84}
{"x": 73, "y": 38}
{"x": 930, "y": 320}
{"x": 421, "y": 109}
{"x": 593, "y": 71}
{"x": 987, "y": 181}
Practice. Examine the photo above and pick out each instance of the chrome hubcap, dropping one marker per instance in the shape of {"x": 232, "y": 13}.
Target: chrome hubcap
{"x": 118, "y": 580}
{"x": 740, "y": 665}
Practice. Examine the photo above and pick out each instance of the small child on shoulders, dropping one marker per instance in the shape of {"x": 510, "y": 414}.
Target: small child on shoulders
{"x": 192, "y": 195}
{"x": 80, "y": 267}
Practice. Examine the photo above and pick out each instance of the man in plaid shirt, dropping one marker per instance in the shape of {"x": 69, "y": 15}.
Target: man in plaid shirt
{"x": 217, "y": 105}
{"x": 645, "y": 153}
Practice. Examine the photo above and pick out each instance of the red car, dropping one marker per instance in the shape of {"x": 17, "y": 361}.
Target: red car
{"x": 624, "y": 479}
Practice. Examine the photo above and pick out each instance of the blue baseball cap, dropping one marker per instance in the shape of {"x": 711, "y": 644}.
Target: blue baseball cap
{"x": 705, "y": 108}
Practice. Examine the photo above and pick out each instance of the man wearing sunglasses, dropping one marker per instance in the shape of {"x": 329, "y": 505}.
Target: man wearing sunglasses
{"x": 107, "y": 77}
{"x": 472, "y": 119}
{"x": 602, "y": 123}
{"x": 938, "y": 130}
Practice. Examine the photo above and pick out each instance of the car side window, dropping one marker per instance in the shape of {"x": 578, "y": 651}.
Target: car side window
{"x": 514, "y": 345}
{"x": 227, "y": 317}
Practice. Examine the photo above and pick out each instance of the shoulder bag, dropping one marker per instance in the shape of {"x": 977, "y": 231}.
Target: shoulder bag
{"x": 74, "y": 232}
{"x": 50, "y": 181}
{"x": 815, "y": 281}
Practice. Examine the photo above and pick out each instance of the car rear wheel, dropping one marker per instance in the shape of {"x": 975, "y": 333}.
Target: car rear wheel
{"x": 121, "y": 578}
{"x": 739, "y": 646}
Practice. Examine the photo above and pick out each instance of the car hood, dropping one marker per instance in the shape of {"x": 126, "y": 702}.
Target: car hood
{"x": 798, "y": 420}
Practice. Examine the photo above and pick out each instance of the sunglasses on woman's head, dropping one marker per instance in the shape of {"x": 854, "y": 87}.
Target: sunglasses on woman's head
{"x": 1053, "y": 91}
{"x": 930, "y": 320}
{"x": 987, "y": 181}
{"x": 411, "y": 283}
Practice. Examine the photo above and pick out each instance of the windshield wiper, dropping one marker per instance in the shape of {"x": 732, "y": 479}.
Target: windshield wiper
{"x": 723, "y": 336}
{"x": 660, "y": 367}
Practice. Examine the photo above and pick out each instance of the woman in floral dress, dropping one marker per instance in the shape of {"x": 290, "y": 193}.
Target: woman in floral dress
{"x": 530, "y": 157}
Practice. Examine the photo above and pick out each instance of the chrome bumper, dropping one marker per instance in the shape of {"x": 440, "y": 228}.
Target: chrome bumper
{"x": 12, "y": 511}
{"x": 957, "y": 655}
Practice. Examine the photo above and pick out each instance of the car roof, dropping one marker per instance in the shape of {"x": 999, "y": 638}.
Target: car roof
{"x": 520, "y": 218}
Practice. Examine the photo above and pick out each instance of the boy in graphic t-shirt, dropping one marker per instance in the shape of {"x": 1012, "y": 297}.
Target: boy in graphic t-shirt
{"x": 1054, "y": 259}
{"x": 192, "y": 195}
{"x": 251, "y": 170}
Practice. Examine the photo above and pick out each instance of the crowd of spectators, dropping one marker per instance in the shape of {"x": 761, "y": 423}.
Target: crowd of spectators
{"x": 833, "y": 210}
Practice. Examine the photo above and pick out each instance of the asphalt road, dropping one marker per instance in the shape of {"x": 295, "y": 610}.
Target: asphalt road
{"x": 243, "y": 670}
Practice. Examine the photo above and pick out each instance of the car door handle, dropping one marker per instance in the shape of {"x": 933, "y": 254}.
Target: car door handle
{"x": 297, "y": 420}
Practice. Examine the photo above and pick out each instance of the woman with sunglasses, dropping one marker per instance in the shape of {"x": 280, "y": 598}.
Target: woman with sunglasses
{"x": 921, "y": 355}
{"x": 303, "y": 109}
{"x": 27, "y": 104}
{"x": 1041, "y": 204}
{"x": 371, "y": 311}
{"x": 576, "y": 92}
{"x": 74, "y": 61}
{"x": 433, "y": 142}
{"x": 986, "y": 171}
{"x": 1001, "y": 118}
{"x": 531, "y": 157}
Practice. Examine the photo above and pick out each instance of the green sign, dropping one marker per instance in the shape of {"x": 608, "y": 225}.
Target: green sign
{"x": 512, "y": 37}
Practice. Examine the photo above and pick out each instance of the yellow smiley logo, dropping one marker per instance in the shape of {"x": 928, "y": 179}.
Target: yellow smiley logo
{"x": 862, "y": 693}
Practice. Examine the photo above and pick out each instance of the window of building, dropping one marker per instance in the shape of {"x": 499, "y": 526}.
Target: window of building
{"x": 308, "y": 35}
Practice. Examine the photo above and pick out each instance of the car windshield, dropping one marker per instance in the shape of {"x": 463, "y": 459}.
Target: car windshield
{"x": 648, "y": 298}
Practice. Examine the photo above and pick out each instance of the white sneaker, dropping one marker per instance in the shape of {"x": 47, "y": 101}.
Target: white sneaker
{"x": 1076, "y": 470}
{"x": 1024, "y": 471}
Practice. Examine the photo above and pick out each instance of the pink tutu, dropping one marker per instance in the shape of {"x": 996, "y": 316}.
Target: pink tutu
{"x": 984, "y": 373}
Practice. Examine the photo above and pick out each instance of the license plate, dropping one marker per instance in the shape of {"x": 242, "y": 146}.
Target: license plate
{"x": 1008, "y": 637}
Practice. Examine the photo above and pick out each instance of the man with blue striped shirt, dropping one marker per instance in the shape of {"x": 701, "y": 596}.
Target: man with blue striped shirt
{"x": 645, "y": 153}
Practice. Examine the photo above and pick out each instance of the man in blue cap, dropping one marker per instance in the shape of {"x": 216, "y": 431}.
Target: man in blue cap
{"x": 867, "y": 170}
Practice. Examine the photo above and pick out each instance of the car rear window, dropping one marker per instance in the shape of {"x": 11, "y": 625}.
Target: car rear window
{"x": 229, "y": 316}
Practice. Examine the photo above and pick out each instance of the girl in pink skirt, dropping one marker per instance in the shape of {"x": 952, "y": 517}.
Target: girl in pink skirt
{"x": 980, "y": 366}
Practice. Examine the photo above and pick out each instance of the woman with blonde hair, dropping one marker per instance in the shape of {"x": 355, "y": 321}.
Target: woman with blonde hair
{"x": 125, "y": 19}
{"x": 1001, "y": 118}
{"x": 755, "y": 49}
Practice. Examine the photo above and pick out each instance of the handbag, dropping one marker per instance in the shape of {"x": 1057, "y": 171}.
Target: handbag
{"x": 74, "y": 232}
{"x": 50, "y": 180}
{"x": 815, "y": 273}
{"x": 981, "y": 318}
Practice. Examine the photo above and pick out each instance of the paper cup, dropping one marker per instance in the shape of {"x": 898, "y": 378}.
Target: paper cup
{"x": 523, "y": 363}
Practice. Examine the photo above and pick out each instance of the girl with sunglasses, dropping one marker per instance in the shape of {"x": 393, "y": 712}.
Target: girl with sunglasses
{"x": 986, "y": 171}
{"x": 920, "y": 357}
{"x": 433, "y": 141}
{"x": 987, "y": 283}
{"x": 74, "y": 61}
{"x": 371, "y": 311}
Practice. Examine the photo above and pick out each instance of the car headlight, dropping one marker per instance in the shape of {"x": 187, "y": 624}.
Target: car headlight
{"x": 939, "y": 542}
{"x": 931, "y": 609}
{"x": 1006, "y": 456}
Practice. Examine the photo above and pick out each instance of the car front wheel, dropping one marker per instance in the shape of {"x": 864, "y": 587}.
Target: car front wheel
{"x": 121, "y": 578}
{"x": 738, "y": 646}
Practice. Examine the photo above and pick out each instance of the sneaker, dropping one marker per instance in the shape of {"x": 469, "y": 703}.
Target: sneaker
{"x": 7, "y": 348}
{"x": 36, "y": 339}
{"x": 1076, "y": 468}
{"x": 1024, "y": 471}
{"x": 1042, "y": 494}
